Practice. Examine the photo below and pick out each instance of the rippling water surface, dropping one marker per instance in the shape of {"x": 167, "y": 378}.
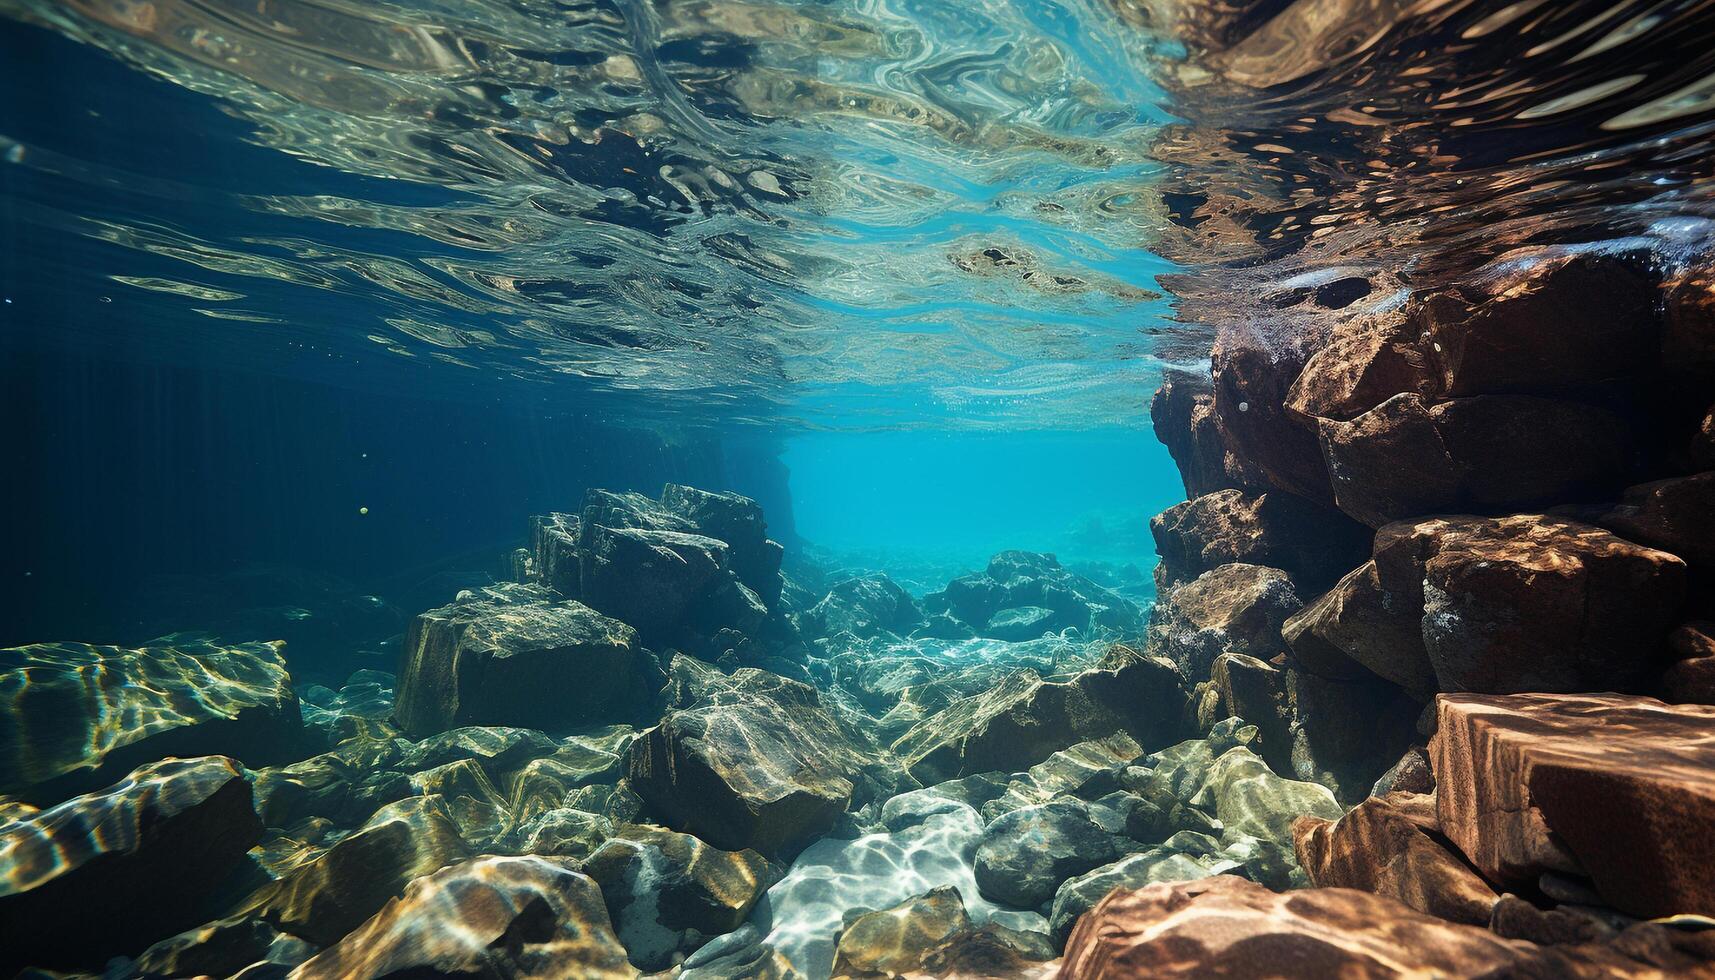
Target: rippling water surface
{"x": 849, "y": 214}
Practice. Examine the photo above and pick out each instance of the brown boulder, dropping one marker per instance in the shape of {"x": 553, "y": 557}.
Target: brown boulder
{"x": 1688, "y": 341}
{"x": 1311, "y": 543}
{"x": 517, "y": 917}
{"x": 1367, "y": 361}
{"x": 1183, "y": 415}
{"x": 1619, "y": 788}
{"x": 1701, "y": 452}
{"x": 1676, "y": 515}
{"x": 1531, "y": 603}
{"x": 1229, "y": 927}
{"x": 1408, "y": 457}
{"x": 1544, "y": 323}
{"x": 1252, "y": 376}
{"x": 1358, "y": 626}
{"x": 892, "y": 942}
{"x": 1392, "y": 846}
{"x": 110, "y": 872}
{"x": 1690, "y": 679}
{"x": 1235, "y": 608}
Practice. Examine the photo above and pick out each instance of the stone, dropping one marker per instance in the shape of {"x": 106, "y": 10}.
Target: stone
{"x": 1529, "y": 603}
{"x": 666, "y": 892}
{"x": 523, "y": 917}
{"x": 1392, "y": 846}
{"x": 1025, "y": 719}
{"x": 1249, "y": 798}
{"x": 1229, "y": 927}
{"x": 994, "y": 600}
{"x": 761, "y": 764}
{"x": 1411, "y": 774}
{"x": 1236, "y": 608}
{"x": 111, "y": 872}
{"x": 1544, "y": 323}
{"x": 1357, "y": 629}
{"x": 1311, "y": 543}
{"x": 329, "y": 896}
{"x": 80, "y": 716}
{"x": 892, "y": 941}
{"x": 1519, "y": 603}
{"x": 1676, "y": 515}
{"x": 513, "y": 654}
{"x": 738, "y": 521}
{"x": 867, "y": 606}
{"x": 1688, "y": 337}
{"x": 1365, "y": 362}
{"x": 1253, "y": 375}
{"x": 344, "y": 785}
{"x": 222, "y": 949}
{"x": 564, "y": 832}
{"x": 1615, "y": 787}
{"x": 1258, "y": 692}
{"x": 1183, "y": 414}
{"x": 1408, "y": 457}
{"x": 1690, "y": 678}
{"x": 361, "y": 709}
{"x": 1347, "y": 733}
{"x": 1020, "y": 623}
{"x": 1078, "y": 895}
{"x": 832, "y": 880}
{"x": 1026, "y": 854}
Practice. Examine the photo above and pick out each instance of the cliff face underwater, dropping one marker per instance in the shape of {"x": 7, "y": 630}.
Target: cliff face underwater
{"x": 1422, "y": 682}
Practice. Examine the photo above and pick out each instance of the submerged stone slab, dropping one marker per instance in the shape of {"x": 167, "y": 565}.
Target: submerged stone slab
{"x": 1229, "y": 927}
{"x": 515, "y": 654}
{"x": 111, "y": 872}
{"x": 1620, "y": 788}
{"x": 1392, "y": 846}
{"x": 517, "y": 917}
{"x": 80, "y": 716}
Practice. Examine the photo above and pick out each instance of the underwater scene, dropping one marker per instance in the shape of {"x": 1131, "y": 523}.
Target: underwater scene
{"x": 807, "y": 489}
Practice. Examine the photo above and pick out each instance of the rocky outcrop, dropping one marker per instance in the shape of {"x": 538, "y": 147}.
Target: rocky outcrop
{"x": 1313, "y": 544}
{"x": 1226, "y": 926}
{"x": 1613, "y": 787}
{"x": 1392, "y": 846}
{"x": 111, "y": 872}
{"x": 1026, "y": 854}
{"x": 1233, "y": 608}
{"x": 524, "y": 917}
{"x": 1183, "y": 414}
{"x": 866, "y": 606}
{"x": 1521, "y": 603}
{"x": 892, "y": 941}
{"x": 80, "y": 716}
{"x": 1021, "y": 595}
{"x": 757, "y": 762}
{"x": 1025, "y": 719}
{"x": 668, "y": 893}
{"x": 332, "y": 894}
{"x": 517, "y": 655}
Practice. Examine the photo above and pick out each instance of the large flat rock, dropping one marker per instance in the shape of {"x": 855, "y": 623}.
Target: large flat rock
{"x": 80, "y": 716}
{"x": 1229, "y": 927}
{"x": 1620, "y": 787}
{"x": 111, "y": 872}
{"x": 518, "y": 655}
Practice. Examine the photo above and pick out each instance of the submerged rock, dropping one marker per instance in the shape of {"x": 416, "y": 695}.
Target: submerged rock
{"x": 1392, "y": 846}
{"x": 1078, "y": 895}
{"x": 667, "y": 893}
{"x": 892, "y": 941}
{"x": 1227, "y": 926}
{"x": 111, "y": 872}
{"x": 1313, "y": 544}
{"x": 1520, "y": 603}
{"x": 1026, "y": 854}
{"x": 523, "y": 917}
{"x": 514, "y": 654}
{"x": 81, "y": 716}
{"x": 329, "y": 896}
{"x": 867, "y": 606}
{"x": 222, "y": 949}
{"x": 1233, "y": 608}
{"x": 759, "y": 764}
{"x": 1026, "y": 719}
{"x": 1614, "y": 787}
{"x": 1022, "y": 595}
{"x": 1183, "y": 415}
